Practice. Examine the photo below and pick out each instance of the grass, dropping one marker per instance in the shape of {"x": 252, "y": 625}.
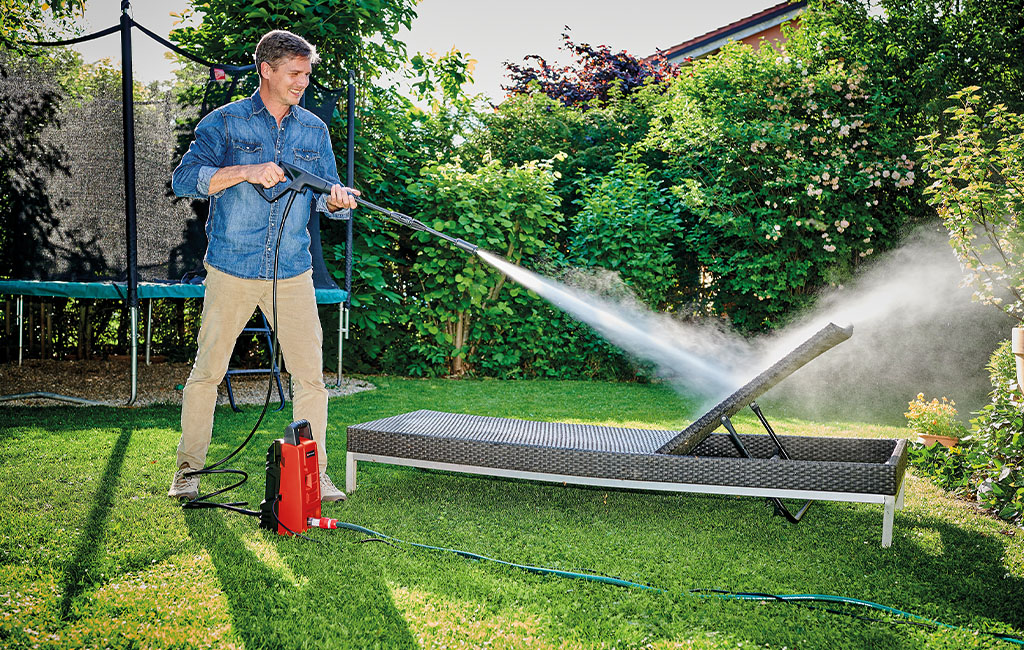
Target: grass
{"x": 93, "y": 554}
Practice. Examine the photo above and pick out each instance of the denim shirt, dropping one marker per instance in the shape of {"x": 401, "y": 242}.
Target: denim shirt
{"x": 242, "y": 228}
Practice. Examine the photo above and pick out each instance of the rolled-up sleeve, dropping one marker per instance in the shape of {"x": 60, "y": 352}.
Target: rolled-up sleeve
{"x": 205, "y": 156}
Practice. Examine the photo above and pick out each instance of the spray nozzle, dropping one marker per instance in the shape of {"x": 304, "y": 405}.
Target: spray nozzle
{"x": 300, "y": 180}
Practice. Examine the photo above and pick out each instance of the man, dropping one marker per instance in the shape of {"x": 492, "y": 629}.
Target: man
{"x": 237, "y": 147}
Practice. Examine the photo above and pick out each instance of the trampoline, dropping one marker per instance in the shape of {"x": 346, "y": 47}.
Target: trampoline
{"x": 101, "y": 222}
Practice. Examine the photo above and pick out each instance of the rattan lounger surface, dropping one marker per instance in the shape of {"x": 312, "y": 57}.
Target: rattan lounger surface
{"x": 819, "y": 464}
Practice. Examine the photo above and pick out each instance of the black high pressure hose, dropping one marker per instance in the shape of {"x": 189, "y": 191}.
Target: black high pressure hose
{"x": 203, "y": 501}
{"x": 299, "y": 181}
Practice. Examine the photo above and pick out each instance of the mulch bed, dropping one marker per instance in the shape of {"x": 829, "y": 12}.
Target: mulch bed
{"x": 109, "y": 382}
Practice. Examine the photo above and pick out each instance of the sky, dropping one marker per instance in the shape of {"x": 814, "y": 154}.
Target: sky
{"x": 490, "y": 32}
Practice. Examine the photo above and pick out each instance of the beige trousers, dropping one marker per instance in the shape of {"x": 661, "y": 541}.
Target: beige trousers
{"x": 227, "y": 307}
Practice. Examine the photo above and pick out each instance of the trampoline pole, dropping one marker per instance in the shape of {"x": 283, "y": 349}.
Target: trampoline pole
{"x": 350, "y": 179}
{"x": 149, "y": 326}
{"x": 134, "y": 355}
{"x": 341, "y": 329}
{"x": 128, "y": 124}
{"x": 21, "y": 328}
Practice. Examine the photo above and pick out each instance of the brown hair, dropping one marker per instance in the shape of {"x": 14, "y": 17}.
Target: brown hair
{"x": 280, "y": 44}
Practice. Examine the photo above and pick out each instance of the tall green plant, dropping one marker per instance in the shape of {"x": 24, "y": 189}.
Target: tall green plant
{"x": 628, "y": 224}
{"x": 510, "y": 210}
{"x": 978, "y": 190}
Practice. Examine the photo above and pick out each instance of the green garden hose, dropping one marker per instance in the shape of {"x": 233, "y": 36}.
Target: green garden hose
{"x": 797, "y": 599}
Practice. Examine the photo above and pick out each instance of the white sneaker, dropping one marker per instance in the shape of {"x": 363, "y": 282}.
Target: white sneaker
{"x": 184, "y": 487}
{"x": 327, "y": 490}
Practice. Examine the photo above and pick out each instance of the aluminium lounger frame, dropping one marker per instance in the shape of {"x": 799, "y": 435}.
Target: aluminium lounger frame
{"x": 695, "y": 460}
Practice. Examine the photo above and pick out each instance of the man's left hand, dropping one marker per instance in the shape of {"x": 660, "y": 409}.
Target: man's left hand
{"x": 342, "y": 198}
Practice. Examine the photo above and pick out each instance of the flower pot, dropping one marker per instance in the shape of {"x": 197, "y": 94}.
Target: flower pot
{"x": 1017, "y": 345}
{"x": 945, "y": 441}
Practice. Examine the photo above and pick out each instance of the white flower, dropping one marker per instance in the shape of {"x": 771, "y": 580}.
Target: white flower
{"x": 835, "y": 122}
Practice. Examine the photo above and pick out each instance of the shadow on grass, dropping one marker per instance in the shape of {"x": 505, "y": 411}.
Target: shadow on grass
{"x": 935, "y": 568}
{"x": 81, "y": 572}
{"x": 936, "y": 562}
{"x": 322, "y": 599}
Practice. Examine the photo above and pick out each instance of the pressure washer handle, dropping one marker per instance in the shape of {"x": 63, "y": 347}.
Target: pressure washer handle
{"x": 298, "y": 181}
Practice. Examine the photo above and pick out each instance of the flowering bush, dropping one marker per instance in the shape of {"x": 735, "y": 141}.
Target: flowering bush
{"x": 790, "y": 173}
{"x": 933, "y": 418}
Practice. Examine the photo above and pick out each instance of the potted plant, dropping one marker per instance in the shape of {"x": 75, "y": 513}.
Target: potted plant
{"x": 934, "y": 421}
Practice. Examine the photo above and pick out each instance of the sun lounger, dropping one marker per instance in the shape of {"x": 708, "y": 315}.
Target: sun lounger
{"x": 694, "y": 460}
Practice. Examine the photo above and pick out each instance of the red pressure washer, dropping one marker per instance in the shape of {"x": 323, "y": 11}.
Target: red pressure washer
{"x": 292, "y": 497}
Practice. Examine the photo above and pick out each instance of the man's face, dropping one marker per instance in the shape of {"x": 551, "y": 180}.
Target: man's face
{"x": 286, "y": 83}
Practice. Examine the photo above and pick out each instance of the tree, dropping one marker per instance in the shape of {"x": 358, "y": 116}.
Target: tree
{"x": 978, "y": 191}
{"x": 596, "y": 71}
{"x": 920, "y": 52}
{"x": 30, "y": 20}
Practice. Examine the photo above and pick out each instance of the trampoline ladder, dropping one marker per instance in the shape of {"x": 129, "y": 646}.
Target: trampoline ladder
{"x": 263, "y": 329}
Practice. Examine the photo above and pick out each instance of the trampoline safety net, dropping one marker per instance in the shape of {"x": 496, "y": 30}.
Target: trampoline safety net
{"x": 64, "y": 213}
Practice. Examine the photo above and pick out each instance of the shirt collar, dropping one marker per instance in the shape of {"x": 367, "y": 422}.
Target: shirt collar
{"x": 257, "y": 102}
{"x": 258, "y": 105}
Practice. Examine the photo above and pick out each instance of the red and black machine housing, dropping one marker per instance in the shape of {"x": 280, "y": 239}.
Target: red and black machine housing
{"x": 293, "y": 482}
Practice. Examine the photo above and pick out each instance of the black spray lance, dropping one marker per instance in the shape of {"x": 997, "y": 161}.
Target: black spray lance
{"x": 300, "y": 180}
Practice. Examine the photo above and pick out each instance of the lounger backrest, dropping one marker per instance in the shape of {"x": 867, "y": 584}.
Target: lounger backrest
{"x": 826, "y": 338}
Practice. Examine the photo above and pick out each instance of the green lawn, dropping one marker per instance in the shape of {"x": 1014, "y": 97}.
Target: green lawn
{"x": 92, "y": 554}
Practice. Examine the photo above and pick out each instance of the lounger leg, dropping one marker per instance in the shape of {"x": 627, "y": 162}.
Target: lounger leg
{"x": 899, "y": 495}
{"x": 890, "y": 512}
{"x": 350, "y": 473}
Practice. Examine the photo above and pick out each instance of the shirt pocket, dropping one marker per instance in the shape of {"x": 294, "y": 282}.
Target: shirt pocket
{"x": 247, "y": 153}
{"x": 307, "y": 159}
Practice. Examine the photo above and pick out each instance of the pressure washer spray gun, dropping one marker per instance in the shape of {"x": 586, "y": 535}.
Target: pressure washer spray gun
{"x": 300, "y": 180}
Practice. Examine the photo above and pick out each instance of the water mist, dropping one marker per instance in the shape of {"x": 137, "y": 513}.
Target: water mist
{"x": 914, "y": 330}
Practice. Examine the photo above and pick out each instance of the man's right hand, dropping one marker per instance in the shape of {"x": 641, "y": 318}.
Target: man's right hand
{"x": 267, "y": 174}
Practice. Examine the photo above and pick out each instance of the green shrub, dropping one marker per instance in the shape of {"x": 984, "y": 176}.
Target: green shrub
{"x": 989, "y": 463}
{"x": 508, "y": 210}
{"x": 978, "y": 172}
{"x": 629, "y": 225}
{"x": 997, "y": 441}
{"x": 789, "y": 173}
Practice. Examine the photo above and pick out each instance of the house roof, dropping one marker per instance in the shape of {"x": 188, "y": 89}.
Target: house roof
{"x": 749, "y": 26}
